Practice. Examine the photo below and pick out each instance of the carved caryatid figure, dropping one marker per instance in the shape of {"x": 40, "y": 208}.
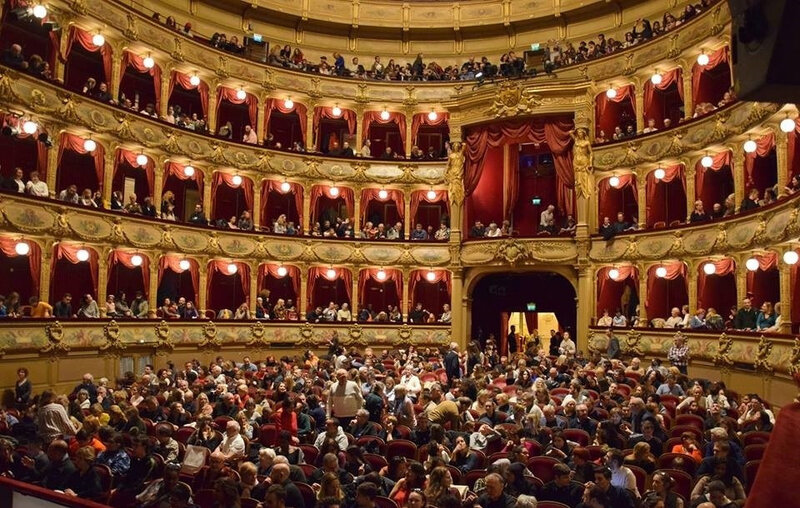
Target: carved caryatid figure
{"x": 455, "y": 173}
{"x": 582, "y": 161}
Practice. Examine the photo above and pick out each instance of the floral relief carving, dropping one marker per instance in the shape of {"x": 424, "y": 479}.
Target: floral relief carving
{"x": 113, "y": 344}
{"x": 55, "y": 338}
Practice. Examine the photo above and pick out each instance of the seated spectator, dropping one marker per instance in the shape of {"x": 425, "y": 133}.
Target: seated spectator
{"x": 198, "y": 217}
{"x": 547, "y": 220}
{"x": 249, "y": 136}
{"x": 751, "y": 201}
{"x": 70, "y": 195}
{"x": 418, "y": 233}
{"x": 651, "y": 126}
{"x": 38, "y": 188}
{"x": 13, "y": 57}
{"x": 443, "y": 233}
{"x": 699, "y": 213}
{"x": 493, "y": 231}
{"x": 88, "y": 308}
{"x": 478, "y": 230}
{"x": 675, "y": 320}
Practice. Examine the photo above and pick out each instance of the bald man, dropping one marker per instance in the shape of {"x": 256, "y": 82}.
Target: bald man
{"x": 279, "y": 475}
{"x": 345, "y": 398}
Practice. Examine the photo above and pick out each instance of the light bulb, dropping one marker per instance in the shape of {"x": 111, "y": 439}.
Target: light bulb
{"x": 790, "y": 257}
{"x": 710, "y": 268}
{"x": 136, "y": 260}
{"x": 194, "y": 80}
{"x": 334, "y": 191}
{"x": 707, "y": 161}
{"x": 385, "y": 115}
{"x": 751, "y": 264}
{"x": 659, "y": 173}
{"x": 611, "y": 93}
{"x": 431, "y": 195}
{"x": 89, "y": 145}
{"x": 288, "y": 103}
{"x": 148, "y": 62}
{"x": 286, "y": 187}
{"x": 613, "y": 274}
{"x": 381, "y": 275}
{"x": 750, "y": 146}
{"x": 614, "y": 181}
{"x": 337, "y": 111}
{"x": 432, "y": 116}
{"x": 184, "y": 264}
{"x": 237, "y": 180}
{"x": 29, "y": 127}
{"x": 98, "y": 40}
{"x": 141, "y": 159}
{"x": 702, "y": 59}
{"x": 39, "y": 11}
{"x": 382, "y": 194}
{"x": 241, "y": 94}
{"x": 787, "y": 125}
{"x": 22, "y": 248}
{"x": 82, "y": 255}
{"x": 656, "y": 79}
{"x": 661, "y": 272}
{"x": 331, "y": 273}
{"x": 188, "y": 171}
{"x": 282, "y": 271}
{"x": 232, "y": 268}
{"x": 431, "y": 276}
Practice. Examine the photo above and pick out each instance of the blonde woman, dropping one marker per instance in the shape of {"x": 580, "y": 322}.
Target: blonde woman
{"x": 279, "y": 311}
{"x": 329, "y": 487}
{"x": 279, "y": 226}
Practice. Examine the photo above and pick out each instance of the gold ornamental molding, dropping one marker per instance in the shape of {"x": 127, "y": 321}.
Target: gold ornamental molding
{"x": 722, "y": 358}
{"x": 258, "y": 337}
{"x": 163, "y": 344}
{"x": 512, "y": 99}
{"x": 307, "y": 340}
{"x": 55, "y": 340}
{"x": 631, "y": 344}
{"x": 113, "y": 344}
{"x": 761, "y": 362}
{"x": 794, "y": 360}
{"x": 211, "y": 338}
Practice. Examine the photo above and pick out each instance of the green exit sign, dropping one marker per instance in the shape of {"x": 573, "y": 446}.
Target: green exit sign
{"x": 531, "y": 307}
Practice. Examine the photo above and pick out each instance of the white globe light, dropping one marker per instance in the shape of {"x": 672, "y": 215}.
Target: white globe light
{"x": 432, "y": 116}
{"x": 431, "y": 194}
{"x": 381, "y": 275}
{"x": 787, "y": 125}
{"x": 611, "y": 93}
{"x": 286, "y": 187}
{"x": 331, "y": 273}
{"x": 194, "y": 80}
{"x": 614, "y": 181}
{"x": 148, "y": 62}
{"x": 241, "y": 94}
{"x": 22, "y": 248}
{"x": 282, "y": 271}
{"x": 385, "y": 115}
{"x": 89, "y": 145}
{"x": 613, "y": 274}
{"x": 337, "y": 111}
{"x": 141, "y": 159}
{"x": 232, "y": 268}
{"x": 661, "y": 272}
{"x": 659, "y": 173}
{"x": 750, "y": 146}
{"x": 288, "y": 103}
{"x": 188, "y": 171}
{"x": 83, "y": 255}
{"x": 702, "y": 59}
{"x": 751, "y": 264}
{"x": 334, "y": 191}
{"x": 29, "y": 127}
{"x": 184, "y": 264}
{"x": 710, "y": 268}
{"x": 431, "y": 276}
{"x": 790, "y": 257}
{"x": 656, "y": 79}
{"x": 39, "y": 11}
{"x": 98, "y": 40}
{"x": 237, "y": 180}
{"x": 707, "y": 161}
{"x": 136, "y": 260}
{"x": 382, "y": 194}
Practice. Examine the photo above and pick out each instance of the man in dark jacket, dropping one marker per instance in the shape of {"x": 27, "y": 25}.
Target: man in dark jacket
{"x": 494, "y": 496}
{"x": 746, "y": 316}
{"x": 613, "y": 350}
{"x": 561, "y": 489}
{"x": 452, "y": 365}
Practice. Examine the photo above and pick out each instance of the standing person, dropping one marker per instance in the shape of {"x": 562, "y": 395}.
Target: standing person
{"x": 452, "y": 364}
{"x": 678, "y": 354}
{"x": 613, "y": 350}
{"x": 512, "y": 341}
{"x": 345, "y": 398}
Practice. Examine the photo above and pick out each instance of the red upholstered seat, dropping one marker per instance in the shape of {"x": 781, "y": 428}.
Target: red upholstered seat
{"x": 677, "y": 461}
{"x": 683, "y": 482}
{"x": 403, "y": 448}
{"x": 542, "y": 467}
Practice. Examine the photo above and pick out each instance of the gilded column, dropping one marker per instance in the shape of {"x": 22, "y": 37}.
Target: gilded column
{"x": 303, "y": 303}
{"x": 404, "y": 301}
{"x": 102, "y": 280}
{"x": 152, "y": 291}
{"x": 158, "y": 184}
{"x": 207, "y": 201}
{"x": 260, "y": 126}
{"x": 307, "y": 211}
{"x": 253, "y": 285}
{"x": 585, "y": 293}
{"x": 639, "y": 101}
{"x": 692, "y": 270}
{"x": 741, "y": 278}
{"x": 59, "y": 72}
{"x": 354, "y": 305}
{"x": 212, "y": 106}
{"x": 738, "y": 174}
{"x": 108, "y": 171}
{"x": 202, "y": 297}
{"x": 641, "y": 189}
{"x": 255, "y": 213}
{"x": 44, "y": 271}
{"x": 52, "y": 164}
{"x": 643, "y": 317}
{"x": 458, "y": 324}
{"x": 691, "y": 191}
{"x": 782, "y": 153}
{"x": 309, "y": 141}
{"x": 407, "y": 218}
{"x": 357, "y": 210}
{"x": 359, "y": 128}
{"x": 409, "y": 141}
{"x": 116, "y": 71}
{"x": 688, "y": 99}
{"x": 163, "y": 106}
{"x": 786, "y": 297}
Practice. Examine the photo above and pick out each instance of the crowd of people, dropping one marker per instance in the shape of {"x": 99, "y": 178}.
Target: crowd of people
{"x": 421, "y": 427}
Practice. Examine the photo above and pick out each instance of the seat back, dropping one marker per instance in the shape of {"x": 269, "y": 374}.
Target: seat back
{"x": 641, "y": 477}
{"x": 310, "y": 453}
{"x": 677, "y": 461}
{"x": 268, "y": 434}
{"x": 691, "y": 420}
{"x": 754, "y": 452}
{"x": 750, "y": 472}
{"x": 550, "y": 504}
{"x": 378, "y": 462}
{"x": 471, "y": 477}
{"x": 309, "y": 497}
{"x": 402, "y": 447}
{"x": 682, "y": 482}
{"x": 755, "y": 437}
{"x": 542, "y": 467}
{"x": 578, "y": 435}
{"x": 384, "y": 502}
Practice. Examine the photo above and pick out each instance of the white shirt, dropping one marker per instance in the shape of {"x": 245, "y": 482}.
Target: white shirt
{"x": 412, "y": 384}
{"x": 625, "y": 479}
{"x": 344, "y": 315}
{"x": 365, "y": 151}
{"x": 567, "y": 347}
{"x": 344, "y": 399}
{"x": 605, "y": 321}
{"x": 446, "y": 317}
{"x": 673, "y": 321}
{"x": 493, "y": 234}
{"x": 620, "y": 321}
{"x": 38, "y": 189}
{"x": 232, "y": 446}
{"x": 546, "y": 218}
{"x": 20, "y": 186}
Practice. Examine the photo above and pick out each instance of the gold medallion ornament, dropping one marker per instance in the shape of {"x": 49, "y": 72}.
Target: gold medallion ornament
{"x": 210, "y": 337}
{"x": 512, "y": 100}
{"x": 723, "y": 356}
{"x": 55, "y": 337}
{"x": 113, "y": 344}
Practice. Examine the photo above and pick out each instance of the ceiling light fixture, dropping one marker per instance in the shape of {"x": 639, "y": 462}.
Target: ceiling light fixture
{"x": 184, "y": 264}
{"x": 613, "y": 274}
{"x": 656, "y": 78}
{"x": 236, "y": 180}
{"x": 751, "y": 264}
{"x": 194, "y": 80}
{"x": 710, "y": 268}
{"x": 89, "y": 145}
{"x": 788, "y": 125}
{"x": 614, "y": 181}
{"x": 22, "y": 248}
{"x": 611, "y": 93}
{"x": 707, "y": 161}
{"x": 282, "y": 271}
{"x": 431, "y": 195}
{"x": 286, "y": 187}
{"x": 659, "y": 173}
{"x": 82, "y": 255}
{"x": 98, "y": 40}
{"x": 337, "y": 111}
{"x": 141, "y": 159}
{"x": 241, "y": 94}
{"x": 29, "y": 127}
{"x": 39, "y": 11}
{"x": 385, "y": 115}
{"x": 137, "y": 260}
{"x": 750, "y": 146}
{"x": 188, "y": 171}
{"x": 148, "y": 62}
{"x": 382, "y": 194}
{"x": 381, "y": 275}
{"x": 432, "y": 116}
{"x": 334, "y": 191}
{"x": 331, "y": 273}
{"x": 661, "y": 272}
{"x": 702, "y": 59}
{"x": 790, "y": 257}
{"x": 232, "y": 268}
{"x": 431, "y": 276}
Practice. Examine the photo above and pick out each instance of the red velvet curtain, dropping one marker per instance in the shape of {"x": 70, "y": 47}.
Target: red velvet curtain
{"x": 717, "y": 290}
{"x": 666, "y": 202}
{"x": 764, "y": 145}
{"x": 123, "y": 258}
{"x": 75, "y": 143}
{"x": 610, "y": 200}
{"x": 129, "y": 157}
{"x": 392, "y": 275}
{"x": 702, "y": 89}
{"x": 84, "y": 38}
{"x": 172, "y": 262}
{"x": 419, "y": 196}
{"x": 320, "y": 112}
{"x": 219, "y": 267}
{"x": 609, "y": 291}
{"x": 721, "y": 160}
{"x": 345, "y": 193}
{"x": 606, "y": 119}
{"x": 793, "y": 154}
{"x": 368, "y": 195}
{"x": 177, "y": 170}
{"x": 653, "y": 105}
{"x": 69, "y": 252}
{"x": 229, "y": 94}
{"x": 764, "y": 283}
{"x": 297, "y": 108}
{"x": 421, "y": 277}
{"x": 663, "y": 293}
{"x": 271, "y": 270}
{"x": 553, "y": 131}
{"x": 316, "y": 272}
{"x": 371, "y": 117}
{"x": 41, "y": 149}
{"x": 136, "y": 62}
{"x": 420, "y": 119}
{"x": 274, "y": 185}
{"x": 8, "y": 248}
{"x": 184, "y": 81}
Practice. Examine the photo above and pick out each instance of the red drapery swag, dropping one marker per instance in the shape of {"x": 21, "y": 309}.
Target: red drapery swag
{"x": 419, "y": 196}
{"x": 667, "y": 79}
{"x": 184, "y": 82}
{"x": 270, "y": 269}
{"x": 670, "y": 174}
{"x": 124, "y": 258}
{"x": 392, "y": 275}
{"x": 320, "y": 112}
{"x": 606, "y": 207}
{"x": 602, "y": 102}
{"x": 221, "y": 178}
{"x": 724, "y": 267}
{"x": 317, "y": 191}
{"x": 764, "y": 146}
{"x": 176, "y": 169}
{"x": 675, "y": 269}
{"x": 553, "y": 131}
{"x": 8, "y": 247}
{"x": 129, "y": 157}
{"x": 84, "y": 38}
{"x": 296, "y": 190}
{"x": 70, "y": 253}
{"x": 41, "y": 149}
{"x": 75, "y": 143}
{"x": 767, "y": 261}
{"x": 220, "y": 266}
{"x": 229, "y": 94}
{"x": 136, "y": 62}
{"x": 375, "y": 116}
{"x": 173, "y": 262}
{"x": 421, "y": 276}
{"x": 316, "y": 272}
{"x": 421, "y": 119}
{"x": 625, "y": 272}
{"x": 368, "y": 195}
{"x": 790, "y": 152}
{"x": 298, "y": 108}
{"x": 721, "y": 160}
{"x": 717, "y": 57}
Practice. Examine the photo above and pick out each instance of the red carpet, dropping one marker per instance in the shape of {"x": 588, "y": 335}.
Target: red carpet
{"x": 777, "y": 483}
